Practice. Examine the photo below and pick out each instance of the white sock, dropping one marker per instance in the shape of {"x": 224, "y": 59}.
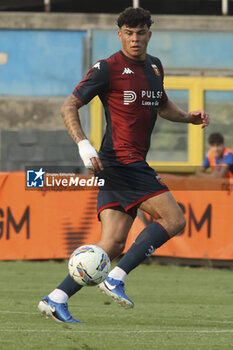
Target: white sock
{"x": 58, "y": 296}
{"x": 118, "y": 274}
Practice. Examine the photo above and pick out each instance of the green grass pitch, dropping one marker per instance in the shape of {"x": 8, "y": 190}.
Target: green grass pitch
{"x": 175, "y": 308}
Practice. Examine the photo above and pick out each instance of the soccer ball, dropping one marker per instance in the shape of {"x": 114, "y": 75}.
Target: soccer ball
{"x": 89, "y": 265}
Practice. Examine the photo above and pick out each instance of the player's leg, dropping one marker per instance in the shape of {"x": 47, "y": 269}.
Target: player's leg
{"x": 54, "y": 305}
{"x": 115, "y": 228}
{"x": 169, "y": 221}
{"x": 165, "y": 210}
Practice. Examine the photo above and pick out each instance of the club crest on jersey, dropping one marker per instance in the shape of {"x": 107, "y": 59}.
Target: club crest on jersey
{"x": 97, "y": 65}
{"x": 127, "y": 71}
{"x": 156, "y": 70}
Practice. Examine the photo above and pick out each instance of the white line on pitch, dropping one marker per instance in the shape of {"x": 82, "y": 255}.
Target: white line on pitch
{"x": 115, "y": 331}
{"x": 18, "y": 312}
{"x": 37, "y": 313}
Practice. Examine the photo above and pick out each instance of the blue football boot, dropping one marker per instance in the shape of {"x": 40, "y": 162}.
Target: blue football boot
{"x": 57, "y": 311}
{"x": 115, "y": 289}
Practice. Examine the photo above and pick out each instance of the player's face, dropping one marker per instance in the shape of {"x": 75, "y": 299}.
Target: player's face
{"x": 218, "y": 149}
{"x": 134, "y": 41}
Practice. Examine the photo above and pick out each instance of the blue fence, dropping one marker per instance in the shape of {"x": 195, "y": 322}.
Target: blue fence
{"x": 40, "y": 62}
{"x": 176, "y": 49}
{"x": 49, "y": 62}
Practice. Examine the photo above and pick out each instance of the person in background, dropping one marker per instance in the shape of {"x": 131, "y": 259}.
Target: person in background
{"x": 219, "y": 159}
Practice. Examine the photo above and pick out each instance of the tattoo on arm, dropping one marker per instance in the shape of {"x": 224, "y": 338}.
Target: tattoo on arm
{"x": 70, "y": 114}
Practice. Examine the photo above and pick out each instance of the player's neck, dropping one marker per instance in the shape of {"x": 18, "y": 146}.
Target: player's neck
{"x": 140, "y": 58}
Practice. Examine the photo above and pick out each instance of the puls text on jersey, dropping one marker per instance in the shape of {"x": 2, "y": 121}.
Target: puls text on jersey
{"x": 131, "y": 96}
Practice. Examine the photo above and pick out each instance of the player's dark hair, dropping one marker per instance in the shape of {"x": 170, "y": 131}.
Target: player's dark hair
{"x": 216, "y": 138}
{"x": 133, "y": 17}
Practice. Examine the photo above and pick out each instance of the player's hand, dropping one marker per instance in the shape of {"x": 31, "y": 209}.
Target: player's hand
{"x": 199, "y": 117}
{"x": 97, "y": 165}
{"x": 89, "y": 156}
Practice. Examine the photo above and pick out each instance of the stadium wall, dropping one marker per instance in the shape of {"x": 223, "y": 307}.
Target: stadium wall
{"x": 42, "y": 55}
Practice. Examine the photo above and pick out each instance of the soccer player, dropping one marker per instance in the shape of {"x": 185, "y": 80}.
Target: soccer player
{"x": 219, "y": 159}
{"x": 130, "y": 86}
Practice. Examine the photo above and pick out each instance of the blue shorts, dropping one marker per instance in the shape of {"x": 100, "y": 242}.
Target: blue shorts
{"x": 127, "y": 186}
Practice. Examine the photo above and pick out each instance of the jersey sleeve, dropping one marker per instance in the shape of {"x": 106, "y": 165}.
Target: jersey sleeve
{"x": 228, "y": 159}
{"x": 206, "y": 162}
{"x": 164, "y": 94}
{"x": 95, "y": 83}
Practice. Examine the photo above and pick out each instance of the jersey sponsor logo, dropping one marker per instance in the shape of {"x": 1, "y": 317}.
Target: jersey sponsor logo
{"x": 97, "y": 65}
{"x": 149, "y": 97}
{"x": 127, "y": 71}
{"x": 129, "y": 97}
{"x": 150, "y": 103}
{"x": 156, "y": 70}
{"x": 152, "y": 94}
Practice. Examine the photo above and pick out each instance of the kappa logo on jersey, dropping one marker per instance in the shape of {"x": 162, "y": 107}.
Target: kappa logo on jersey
{"x": 97, "y": 65}
{"x": 129, "y": 97}
{"x": 127, "y": 71}
{"x": 156, "y": 70}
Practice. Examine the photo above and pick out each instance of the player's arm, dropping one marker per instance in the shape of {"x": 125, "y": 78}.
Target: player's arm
{"x": 170, "y": 111}
{"x": 216, "y": 174}
{"x": 70, "y": 114}
{"x": 201, "y": 172}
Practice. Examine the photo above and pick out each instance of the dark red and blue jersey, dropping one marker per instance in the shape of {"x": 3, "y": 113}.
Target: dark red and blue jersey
{"x": 131, "y": 92}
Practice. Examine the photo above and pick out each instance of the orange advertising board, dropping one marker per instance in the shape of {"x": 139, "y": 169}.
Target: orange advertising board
{"x": 38, "y": 224}
{"x": 41, "y": 224}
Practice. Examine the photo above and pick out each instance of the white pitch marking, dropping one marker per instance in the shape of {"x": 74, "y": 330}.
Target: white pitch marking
{"x": 18, "y": 312}
{"x": 103, "y": 314}
{"x": 115, "y": 331}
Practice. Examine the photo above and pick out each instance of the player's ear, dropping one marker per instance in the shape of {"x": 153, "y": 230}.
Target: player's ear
{"x": 150, "y": 33}
{"x": 120, "y": 35}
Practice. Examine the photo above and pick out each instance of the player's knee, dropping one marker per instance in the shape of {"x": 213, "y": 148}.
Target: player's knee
{"x": 176, "y": 225}
{"x": 116, "y": 249}
{"x": 180, "y": 224}
{"x": 119, "y": 247}
{"x": 113, "y": 247}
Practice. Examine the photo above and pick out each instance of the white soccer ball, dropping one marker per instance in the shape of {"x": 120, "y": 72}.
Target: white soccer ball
{"x": 89, "y": 265}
